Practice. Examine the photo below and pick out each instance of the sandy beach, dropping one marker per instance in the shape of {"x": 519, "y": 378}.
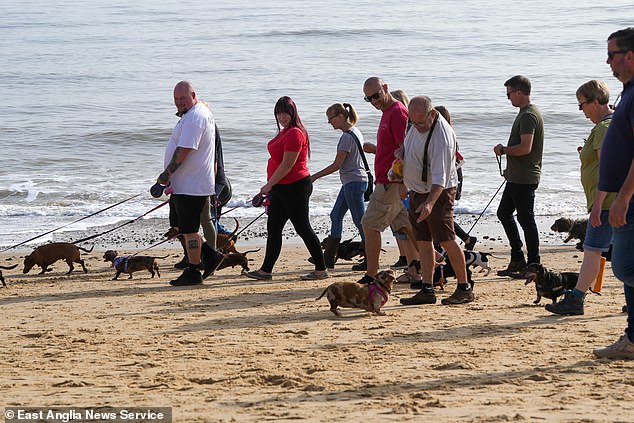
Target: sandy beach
{"x": 234, "y": 349}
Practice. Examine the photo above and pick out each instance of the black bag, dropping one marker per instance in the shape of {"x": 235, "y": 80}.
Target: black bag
{"x": 370, "y": 189}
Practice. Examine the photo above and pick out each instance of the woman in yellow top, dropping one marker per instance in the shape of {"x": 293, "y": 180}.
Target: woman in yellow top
{"x": 593, "y": 99}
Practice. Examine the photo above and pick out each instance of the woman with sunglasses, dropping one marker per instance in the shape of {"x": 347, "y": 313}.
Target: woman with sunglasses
{"x": 354, "y": 180}
{"x": 593, "y": 97}
{"x": 288, "y": 189}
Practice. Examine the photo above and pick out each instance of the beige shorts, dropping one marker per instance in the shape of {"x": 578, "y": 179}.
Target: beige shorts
{"x": 385, "y": 208}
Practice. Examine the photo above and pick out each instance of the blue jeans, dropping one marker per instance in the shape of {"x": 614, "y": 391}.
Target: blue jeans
{"x": 350, "y": 198}
{"x": 623, "y": 265}
{"x": 520, "y": 197}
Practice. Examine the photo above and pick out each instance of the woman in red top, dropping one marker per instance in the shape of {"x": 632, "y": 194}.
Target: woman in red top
{"x": 288, "y": 189}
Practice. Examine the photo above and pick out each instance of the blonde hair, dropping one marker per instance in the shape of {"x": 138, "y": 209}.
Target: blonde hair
{"x": 345, "y": 109}
{"x": 595, "y": 90}
{"x": 400, "y": 96}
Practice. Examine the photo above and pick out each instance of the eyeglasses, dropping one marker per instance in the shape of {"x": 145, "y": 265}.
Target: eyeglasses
{"x": 581, "y": 104}
{"x": 332, "y": 117}
{"x": 374, "y": 96}
{"x": 611, "y": 54}
{"x": 508, "y": 94}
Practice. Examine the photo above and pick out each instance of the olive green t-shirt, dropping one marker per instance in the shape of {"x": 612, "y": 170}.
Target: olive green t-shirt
{"x": 590, "y": 165}
{"x": 526, "y": 169}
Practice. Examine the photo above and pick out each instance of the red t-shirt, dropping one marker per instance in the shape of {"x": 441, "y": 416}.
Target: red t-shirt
{"x": 292, "y": 140}
{"x": 389, "y": 137}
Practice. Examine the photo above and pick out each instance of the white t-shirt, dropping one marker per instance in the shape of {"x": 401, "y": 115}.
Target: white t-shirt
{"x": 195, "y": 130}
{"x": 441, "y": 158}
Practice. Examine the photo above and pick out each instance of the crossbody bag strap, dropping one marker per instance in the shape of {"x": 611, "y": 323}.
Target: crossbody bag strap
{"x": 425, "y": 156}
{"x": 365, "y": 162}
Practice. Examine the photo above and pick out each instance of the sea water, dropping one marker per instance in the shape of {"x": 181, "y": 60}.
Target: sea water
{"x": 88, "y": 84}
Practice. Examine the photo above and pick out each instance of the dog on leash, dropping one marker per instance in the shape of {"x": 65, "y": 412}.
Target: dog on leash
{"x": 226, "y": 242}
{"x": 47, "y": 254}
{"x": 549, "y": 284}
{"x": 6, "y": 268}
{"x": 369, "y": 297}
{"x": 576, "y": 228}
{"x": 237, "y": 259}
{"x": 131, "y": 264}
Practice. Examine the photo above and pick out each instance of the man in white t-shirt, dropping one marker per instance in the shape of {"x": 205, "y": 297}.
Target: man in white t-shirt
{"x": 430, "y": 175}
{"x": 189, "y": 170}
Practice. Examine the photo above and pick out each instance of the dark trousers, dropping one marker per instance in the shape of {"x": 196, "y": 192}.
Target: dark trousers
{"x": 520, "y": 198}
{"x": 290, "y": 202}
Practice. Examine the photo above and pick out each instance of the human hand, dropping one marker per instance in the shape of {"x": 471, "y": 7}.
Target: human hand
{"x": 595, "y": 217}
{"x": 370, "y": 148}
{"x": 424, "y": 210}
{"x": 618, "y": 212}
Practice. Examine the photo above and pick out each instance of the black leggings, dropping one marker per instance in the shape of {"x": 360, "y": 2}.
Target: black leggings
{"x": 290, "y": 202}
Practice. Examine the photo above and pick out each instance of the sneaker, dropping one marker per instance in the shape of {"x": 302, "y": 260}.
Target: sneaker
{"x": 400, "y": 264}
{"x": 362, "y": 266}
{"x": 182, "y": 264}
{"x": 469, "y": 245}
{"x": 421, "y": 297}
{"x": 315, "y": 275}
{"x": 259, "y": 275}
{"x": 571, "y": 305}
{"x": 623, "y": 348}
{"x": 366, "y": 280}
{"x": 188, "y": 277}
{"x": 515, "y": 269}
{"x": 459, "y": 296}
{"x": 211, "y": 262}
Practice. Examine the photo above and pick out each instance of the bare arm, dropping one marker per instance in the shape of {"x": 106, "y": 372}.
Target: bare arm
{"x": 523, "y": 148}
{"x": 179, "y": 156}
{"x": 288, "y": 161}
{"x": 333, "y": 167}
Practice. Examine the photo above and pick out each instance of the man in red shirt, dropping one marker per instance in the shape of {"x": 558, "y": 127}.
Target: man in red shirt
{"x": 385, "y": 207}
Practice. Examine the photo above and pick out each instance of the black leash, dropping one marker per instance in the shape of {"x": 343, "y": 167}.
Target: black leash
{"x": 155, "y": 245}
{"x": 68, "y": 224}
{"x": 486, "y": 207}
{"x": 250, "y": 223}
{"x": 122, "y": 225}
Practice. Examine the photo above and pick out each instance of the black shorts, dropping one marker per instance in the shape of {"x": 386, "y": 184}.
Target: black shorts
{"x": 185, "y": 212}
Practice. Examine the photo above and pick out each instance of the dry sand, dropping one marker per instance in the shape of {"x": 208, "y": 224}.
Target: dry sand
{"x": 234, "y": 349}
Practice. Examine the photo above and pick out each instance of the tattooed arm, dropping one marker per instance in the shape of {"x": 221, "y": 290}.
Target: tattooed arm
{"x": 177, "y": 159}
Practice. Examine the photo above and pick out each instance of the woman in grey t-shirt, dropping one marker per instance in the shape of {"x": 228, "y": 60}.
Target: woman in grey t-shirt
{"x": 354, "y": 180}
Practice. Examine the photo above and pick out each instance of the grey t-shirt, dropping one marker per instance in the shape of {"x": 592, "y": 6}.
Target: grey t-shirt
{"x": 352, "y": 169}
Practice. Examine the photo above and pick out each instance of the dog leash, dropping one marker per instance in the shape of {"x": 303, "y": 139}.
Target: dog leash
{"x": 486, "y": 207}
{"x": 251, "y": 223}
{"x": 68, "y": 224}
{"x": 122, "y": 225}
{"x": 155, "y": 245}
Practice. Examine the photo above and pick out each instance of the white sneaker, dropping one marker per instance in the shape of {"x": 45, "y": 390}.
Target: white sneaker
{"x": 623, "y": 348}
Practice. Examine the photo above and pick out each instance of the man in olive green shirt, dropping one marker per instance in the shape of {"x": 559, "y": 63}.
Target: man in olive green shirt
{"x": 524, "y": 164}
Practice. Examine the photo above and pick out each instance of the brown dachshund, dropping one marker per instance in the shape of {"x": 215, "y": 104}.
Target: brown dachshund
{"x": 6, "y": 268}
{"x": 47, "y": 254}
{"x": 131, "y": 264}
{"x": 369, "y": 297}
{"x": 237, "y": 259}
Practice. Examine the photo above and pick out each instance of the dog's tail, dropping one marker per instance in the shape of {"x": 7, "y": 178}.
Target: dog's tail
{"x": 491, "y": 255}
{"x": 163, "y": 257}
{"x": 88, "y": 251}
{"x": 322, "y": 294}
{"x": 9, "y": 267}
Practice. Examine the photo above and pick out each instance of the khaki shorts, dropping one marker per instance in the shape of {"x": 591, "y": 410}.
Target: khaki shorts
{"x": 438, "y": 226}
{"x": 385, "y": 208}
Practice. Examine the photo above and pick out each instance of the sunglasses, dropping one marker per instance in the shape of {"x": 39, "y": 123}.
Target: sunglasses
{"x": 374, "y": 96}
{"x": 332, "y": 117}
{"x": 611, "y": 54}
{"x": 508, "y": 94}
{"x": 581, "y": 104}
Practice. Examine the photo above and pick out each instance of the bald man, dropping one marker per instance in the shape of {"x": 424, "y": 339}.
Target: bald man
{"x": 189, "y": 170}
{"x": 430, "y": 175}
{"x": 385, "y": 207}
